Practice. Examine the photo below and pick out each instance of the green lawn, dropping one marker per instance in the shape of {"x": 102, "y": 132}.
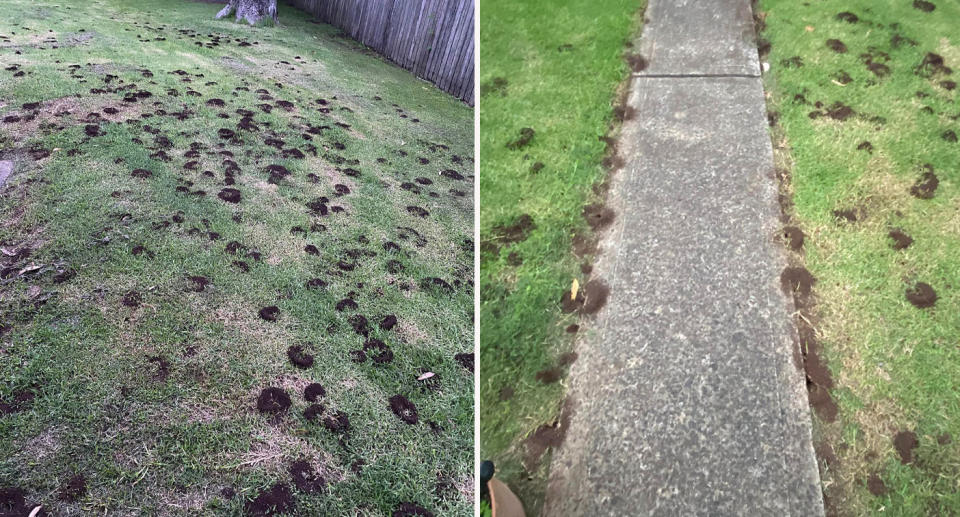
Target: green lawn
{"x": 553, "y": 67}
{"x": 133, "y": 350}
{"x": 895, "y": 367}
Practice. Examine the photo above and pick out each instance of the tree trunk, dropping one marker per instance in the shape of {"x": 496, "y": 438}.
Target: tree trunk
{"x": 251, "y": 10}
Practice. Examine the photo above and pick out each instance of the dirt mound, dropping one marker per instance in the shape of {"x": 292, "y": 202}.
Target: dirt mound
{"x": 313, "y": 392}
{"x": 822, "y": 403}
{"x": 411, "y": 510}
{"x": 875, "y": 485}
{"x": 404, "y": 409}
{"x": 518, "y": 231}
{"x": 417, "y": 211}
{"x": 547, "y": 436}
{"x": 526, "y": 135}
{"x": 337, "y": 422}
{"x": 797, "y": 280}
{"x": 388, "y": 322}
{"x": 465, "y": 359}
{"x": 198, "y": 283}
{"x": 924, "y": 6}
{"x": 276, "y": 500}
{"x": 273, "y": 400}
{"x": 922, "y": 295}
{"x": 378, "y": 351}
{"x": 905, "y": 442}
{"x": 305, "y": 479}
{"x": 794, "y": 237}
{"x": 596, "y": 293}
{"x": 230, "y": 195}
{"x": 836, "y": 46}
{"x": 271, "y": 313}
{"x": 598, "y": 216}
{"x": 74, "y": 488}
{"x": 346, "y": 304}
{"x": 141, "y": 173}
{"x": 131, "y": 299}
{"x": 925, "y": 187}
{"x": 847, "y": 17}
{"x": 901, "y": 240}
{"x": 298, "y": 357}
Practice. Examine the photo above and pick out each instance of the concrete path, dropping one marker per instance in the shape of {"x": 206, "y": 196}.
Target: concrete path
{"x": 687, "y": 399}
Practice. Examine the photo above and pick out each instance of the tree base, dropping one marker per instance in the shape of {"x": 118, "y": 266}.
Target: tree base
{"x": 250, "y": 10}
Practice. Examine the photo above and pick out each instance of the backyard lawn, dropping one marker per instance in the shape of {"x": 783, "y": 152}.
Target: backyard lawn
{"x": 228, "y": 255}
{"x": 864, "y": 105}
{"x": 548, "y": 83}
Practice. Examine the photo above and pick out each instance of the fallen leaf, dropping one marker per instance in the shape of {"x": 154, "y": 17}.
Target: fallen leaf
{"x": 34, "y": 291}
{"x": 574, "y": 288}
{"x": 809, "y": 28}
{"x": 8, "y": 251}
{"x": 425, "y": 376}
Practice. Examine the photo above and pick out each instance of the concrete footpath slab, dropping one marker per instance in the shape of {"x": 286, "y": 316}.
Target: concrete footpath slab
{"x": 699, "y": 37}
{"x": 687, "y": 399}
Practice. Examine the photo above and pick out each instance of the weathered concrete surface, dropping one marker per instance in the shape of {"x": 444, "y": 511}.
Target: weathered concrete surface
{"x": 6, "y": 169}
{"x": 699, "y": 37}
{"x": 687, "y": 397}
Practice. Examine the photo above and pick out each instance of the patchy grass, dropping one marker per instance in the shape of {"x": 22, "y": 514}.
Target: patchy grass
{"x": 552, "y": 68}
{"x": 894, "y": 366}
{"x": 121, "y": 366}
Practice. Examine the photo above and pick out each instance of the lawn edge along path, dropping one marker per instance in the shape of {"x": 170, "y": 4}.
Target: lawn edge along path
{"x": 691, "y": 397}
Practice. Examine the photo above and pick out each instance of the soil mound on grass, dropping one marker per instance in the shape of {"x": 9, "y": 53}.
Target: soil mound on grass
{"x": 313, "y": 412}
{"x": 230, "y": 195}
{"x": 797, "y": 280}
{"x": 465, "y": 359}
{"x": 305, "y": 479}
{"x": 337, "y": 422}
{"x": 924, "y": 6}
{"x": 922, "y": 295}
{"x": 598, "y": 216}
{"x": 526, "y": 135}
{"x": 794, "y": 237}
{"x": 388, "y": 322}
{"x": 905, "y": 442}
{"x": 404, "y": 409}
{"x": 298, "y": 357}
{"x": 74, "y": 488}
{"x": 276, "y": 500}
{"x": 411, "y": 510}
{"x": 273, "y": 400}
{"x": 518, "y": 231}
{"x": 131, "y": 299}
{"x": 141, "y": 173}
{"x": 596, "y": 293}
{"x": 822, "y": 403}
{"x": 346, "y": 304}
{"x": 378, "y": 351}
{"x": 271, "y": 313}
{"x": 901, "y": 240}
{"x": 925, "y": 187}
{"x": 836, "y": 46}
{"x": 847, "y": 17}
{"x": 875, "y": 485}
{"x": 313, "y": 392}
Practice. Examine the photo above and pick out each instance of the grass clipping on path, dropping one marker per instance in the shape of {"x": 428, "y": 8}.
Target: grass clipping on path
{"x": 547, "y": 86}
{"x": 865, "y": 102}
{"x": 228, "y": 254}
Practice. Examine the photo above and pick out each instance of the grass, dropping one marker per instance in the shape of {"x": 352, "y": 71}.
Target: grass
{"x": 555, "y": 68}
{"x": 895, "y": 366}
{"x": 155, "y": 405}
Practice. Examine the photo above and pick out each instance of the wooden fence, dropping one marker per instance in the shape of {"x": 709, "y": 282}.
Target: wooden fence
{"x": 431, "y": 38}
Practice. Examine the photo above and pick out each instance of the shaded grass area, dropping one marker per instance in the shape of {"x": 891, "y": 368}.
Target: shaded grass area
{"x": 547, "y": 89}
{"x": 865, "y": 100}
{"x": 176, "y": 176}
